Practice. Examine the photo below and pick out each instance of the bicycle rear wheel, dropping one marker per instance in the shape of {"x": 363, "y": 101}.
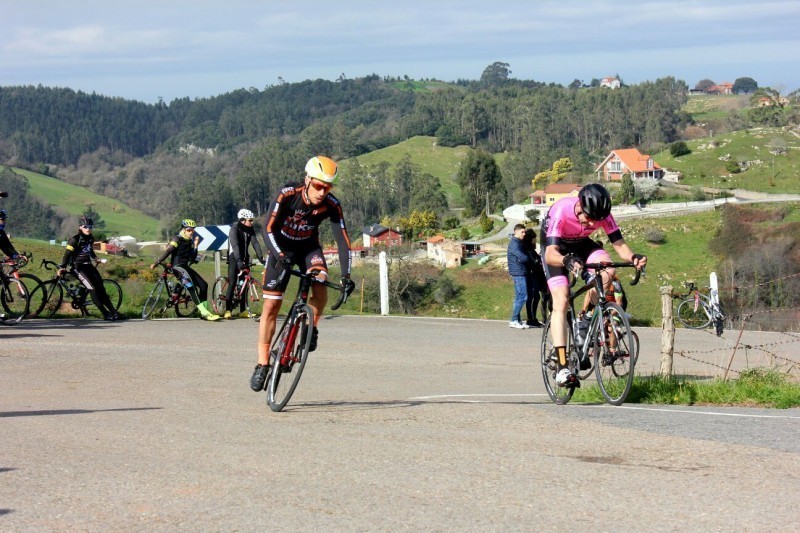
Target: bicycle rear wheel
{"x": 15, "y": 300}
{"x": 693, "y": 315}
{"x": 185, "y": 306}
{"x": 55, "y": 295}
{"x": 154, "y": 300}
{"x": 549, "y": 359}
{"x": 218, "y": 295}
{"x": 290, "y": 358}
{"x": 114, "y": 291}
{"x": 616, "y": 359}
{"x": 254, "y": 300}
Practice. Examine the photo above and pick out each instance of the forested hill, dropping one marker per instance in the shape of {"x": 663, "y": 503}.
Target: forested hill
{"x": 214, "y": 154}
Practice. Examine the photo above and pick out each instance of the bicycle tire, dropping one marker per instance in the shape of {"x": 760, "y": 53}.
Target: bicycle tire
{"x": 185, "y": 306}
{"x": 218, "y": 295}
{"x": 153, "y": 300}
{"x": 15, "y": 300}
{"x": 55, "y": 296}
{"x": 290, "y": 359}
{"x": 692, "y": 318}
{"x": 38, "y": 296}
{"x": 254, "y": 301}
{"x": 549, "y": 360}
{"x": 614, "y": 370}
{"x": 114, "y": 291}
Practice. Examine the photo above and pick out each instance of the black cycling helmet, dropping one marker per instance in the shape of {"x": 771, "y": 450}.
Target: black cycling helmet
{"x": 3, "y": 214}
{"x": 85, "y": 221}
{"x": 595, "y": 201}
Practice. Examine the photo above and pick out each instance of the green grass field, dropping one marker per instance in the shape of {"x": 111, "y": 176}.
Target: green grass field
{"x": 119, "y": 218}
{"x": 766, "y": 172}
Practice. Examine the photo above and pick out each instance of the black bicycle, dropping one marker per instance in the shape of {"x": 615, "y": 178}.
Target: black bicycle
{"x": 608, "y": 344}
{"x": 168, "y": 293}
{"x": 289, "y": 352}
{"x": 68, "y": 289}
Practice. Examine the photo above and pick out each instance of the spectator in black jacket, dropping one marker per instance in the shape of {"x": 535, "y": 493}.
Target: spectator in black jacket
{"x": 535, "y": 281}
{"x": 518, "y": 266}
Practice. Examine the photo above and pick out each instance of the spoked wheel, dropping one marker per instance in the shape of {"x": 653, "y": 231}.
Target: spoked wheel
{"x": 15, "y": 300}
{"x": 114, "y": 292}
{"x": 218, "y": 297}
{"x": 289, "y": 359}
{"x": 154, "y": 300}
{"x": 185, "y": 306}
{"x": 615, "y": 360}
{"x": 38, "y": 294}
{"x": 693, "y": 315}
{"x": 559, "y": 395}
{"x": 55, "y": 295}
{"x": 254, "y": 300}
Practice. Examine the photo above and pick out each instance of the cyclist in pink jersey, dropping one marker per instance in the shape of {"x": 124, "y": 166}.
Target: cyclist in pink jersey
{"x": 566, "y": 246}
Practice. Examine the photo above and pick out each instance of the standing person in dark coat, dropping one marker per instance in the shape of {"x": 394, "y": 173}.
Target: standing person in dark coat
{"x": 535, "y": 281}
{"x": 518, "y": 266}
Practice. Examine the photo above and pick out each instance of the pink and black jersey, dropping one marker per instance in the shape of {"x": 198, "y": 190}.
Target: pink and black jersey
{"x": 562, "y": 227}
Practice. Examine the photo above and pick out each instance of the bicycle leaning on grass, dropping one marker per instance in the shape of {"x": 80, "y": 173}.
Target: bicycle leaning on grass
{"x": 69, "y": 286}
{"x": 247, "y": 294}
{"x": 169, "y": 293}
{"x": 698, "y": 310}
{"x": 12, "y": 269}
{"x": 608, "y": 344}
{"x": 289, "y": 352}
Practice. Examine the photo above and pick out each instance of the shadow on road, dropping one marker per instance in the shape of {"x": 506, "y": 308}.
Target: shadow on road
{"x": 48, "y": 412}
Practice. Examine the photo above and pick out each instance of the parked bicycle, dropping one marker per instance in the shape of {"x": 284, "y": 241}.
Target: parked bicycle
{"x": 247, "y": 293}
{"x": 69, "y": 287}
{"x": 169, "y": 292}
{"x": 289, "y": 352}
{"x": 12, "y": 268}
{"x": 14, "y": 294}
{"x": 698, "y": 310}
{"x": 608, "y": 345}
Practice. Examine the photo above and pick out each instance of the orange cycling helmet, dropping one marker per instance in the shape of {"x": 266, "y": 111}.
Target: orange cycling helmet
{"x": 322, "y": 168}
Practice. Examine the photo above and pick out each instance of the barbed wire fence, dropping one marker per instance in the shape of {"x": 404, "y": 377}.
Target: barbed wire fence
{"x": 780, "y": 352}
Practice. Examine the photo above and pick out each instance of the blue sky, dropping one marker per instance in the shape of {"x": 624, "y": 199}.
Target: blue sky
{"x": 172, "y": 49}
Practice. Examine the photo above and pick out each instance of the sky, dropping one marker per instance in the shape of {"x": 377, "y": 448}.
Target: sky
{"x": 170, "y": 49}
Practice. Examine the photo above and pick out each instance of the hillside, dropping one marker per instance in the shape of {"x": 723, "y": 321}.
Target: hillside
{"x": 119, "y": 218}
{"x": 769, "y": 157}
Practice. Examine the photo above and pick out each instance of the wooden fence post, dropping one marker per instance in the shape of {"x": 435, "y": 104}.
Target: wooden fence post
{"x": 667, "y": 331}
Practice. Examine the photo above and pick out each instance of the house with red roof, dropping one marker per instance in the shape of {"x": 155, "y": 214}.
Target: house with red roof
{"x": 628, "y": 161}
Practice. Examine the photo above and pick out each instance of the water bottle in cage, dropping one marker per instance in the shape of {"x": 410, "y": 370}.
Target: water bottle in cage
{"x": 186, "y": 280}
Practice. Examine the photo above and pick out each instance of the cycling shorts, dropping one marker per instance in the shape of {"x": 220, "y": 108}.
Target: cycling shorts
{"x": 586, "y": 249}
{"x": 276, "y": 276}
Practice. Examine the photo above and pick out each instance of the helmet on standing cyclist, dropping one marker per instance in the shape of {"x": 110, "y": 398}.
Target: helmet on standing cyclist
{"x": 85, "y": 221}
{"x": 323, "y": 169}
{"x": 3, "y": 214}
{"x": 188, "y": 223}
{"x": 245, "y": 214}
{"x": 595, "y": 201}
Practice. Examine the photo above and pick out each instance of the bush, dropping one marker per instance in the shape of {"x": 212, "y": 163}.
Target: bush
{"x": 451, "y": 223}
{"x": 733, "y": 167}
{"x": 464, "y": 234}
{"x": 655, "y": 236}
{"x": 678, "y": 149}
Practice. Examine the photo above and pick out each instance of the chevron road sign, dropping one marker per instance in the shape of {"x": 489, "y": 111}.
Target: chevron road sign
{"x": 212, "y": 238}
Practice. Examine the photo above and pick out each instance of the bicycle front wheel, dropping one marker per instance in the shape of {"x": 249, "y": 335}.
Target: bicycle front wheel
{"x": 693, "y": 315}
{"x": 616, "y": 358}
{"x": 218, "y": 295}
{"x": 549, "y": 360}
{"x": 55, "y": 295}
{"x": 15, "y": 300}
{"x": 154, "y": 300}
{"x": 114, "y": 291}
{"x": 38, "y": 297}
{"x": 290, "y": 357}
{"x": 254, "y": 300}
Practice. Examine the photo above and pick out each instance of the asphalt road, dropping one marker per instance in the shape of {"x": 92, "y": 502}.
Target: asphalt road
{"x": 398, "y": 424}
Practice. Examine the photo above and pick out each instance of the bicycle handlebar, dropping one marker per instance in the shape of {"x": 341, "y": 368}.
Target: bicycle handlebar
{"x": 603, "y": 266}
{"x": 344, "y": 290}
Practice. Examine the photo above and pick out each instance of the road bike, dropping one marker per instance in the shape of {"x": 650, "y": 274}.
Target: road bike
{"x": 247, "y": 293}
{"x": 12, "y": 268}
{"x": 608, "y": 345}
{"x": 698, "y": 310}
{"x": 14, "y": 295}
{"x": 170, "y": 293}
{"x": 69, "y": 289}
{"x": 289, "y": 352}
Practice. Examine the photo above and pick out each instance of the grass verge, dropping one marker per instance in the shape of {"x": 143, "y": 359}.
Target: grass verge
{"x": 757, "y": 387}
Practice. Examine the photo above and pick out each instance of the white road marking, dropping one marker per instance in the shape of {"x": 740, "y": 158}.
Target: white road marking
{"x": 710, "y": 413}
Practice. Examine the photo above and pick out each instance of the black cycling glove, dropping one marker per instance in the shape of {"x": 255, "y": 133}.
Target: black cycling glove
{"x": 572, "y": 263}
